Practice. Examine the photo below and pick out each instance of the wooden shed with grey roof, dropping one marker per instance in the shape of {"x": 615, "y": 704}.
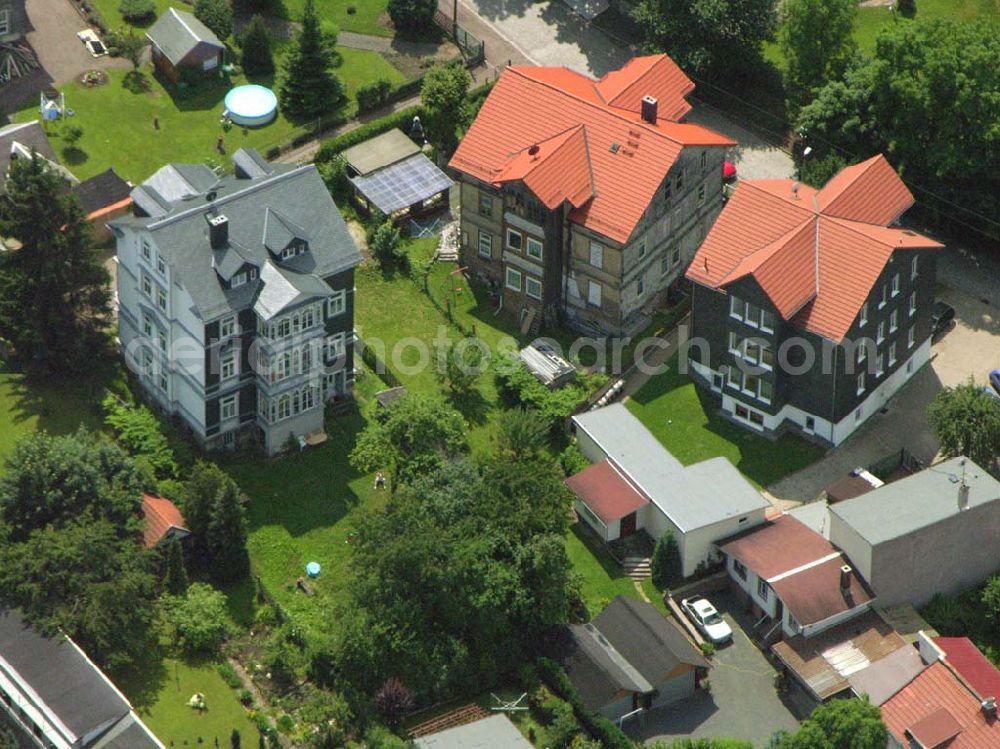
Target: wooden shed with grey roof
{"x": 184, "y": 49}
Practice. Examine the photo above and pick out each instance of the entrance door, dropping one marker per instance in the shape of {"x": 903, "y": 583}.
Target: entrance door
{"x": 627, "y": 526}
{"x": 779, "y": 610}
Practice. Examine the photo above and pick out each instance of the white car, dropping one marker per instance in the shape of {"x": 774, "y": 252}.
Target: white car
{"x": 92, "y": 42}
{"x": 707, "y": 619}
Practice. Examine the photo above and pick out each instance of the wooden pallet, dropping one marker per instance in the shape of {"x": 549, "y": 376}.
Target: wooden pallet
{"x": 459, "y": 717}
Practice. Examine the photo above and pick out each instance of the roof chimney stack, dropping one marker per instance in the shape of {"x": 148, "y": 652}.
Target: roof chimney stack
{"x": 845, "y": 579}
{"x": 218, "y": 231}
{"x": 963, "y": 497}
{"x": 649, "y": 109}
{"x": 989, "y": 706}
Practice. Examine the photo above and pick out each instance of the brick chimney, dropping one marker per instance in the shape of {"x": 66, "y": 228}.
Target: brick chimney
{"x": 649, "y": 109}
{"x": 218, "y": 231}
{"x": 845, "y": 579}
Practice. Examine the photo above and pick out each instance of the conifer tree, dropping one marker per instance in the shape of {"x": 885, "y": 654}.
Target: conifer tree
{"x": 227, "y": 536}
{"x": 176, "y": 580}
{"x": 309, "y": 87}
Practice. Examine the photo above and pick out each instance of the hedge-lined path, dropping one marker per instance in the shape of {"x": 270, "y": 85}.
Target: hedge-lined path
{"x": 306, "y": 153}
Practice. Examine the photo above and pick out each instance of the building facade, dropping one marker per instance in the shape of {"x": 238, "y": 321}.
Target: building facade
{"x": 812, "y": 308}
{"x": 13, "y": 20}
{"x": 236, "y": 300}
{"x": 585, "y": 200}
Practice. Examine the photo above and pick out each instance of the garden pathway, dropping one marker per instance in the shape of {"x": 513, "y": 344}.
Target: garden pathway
{"x": 386, "y": 46}
{"x": 259, "y": 699}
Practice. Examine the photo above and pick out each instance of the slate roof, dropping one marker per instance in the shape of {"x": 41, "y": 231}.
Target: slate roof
{"x": 180, "y": 232}
{"x": 918, "y": 501}
{"x": 28, "y": 134}
{"x": 694, "y": 496}
{"x": 79, "y": 695}
{"x": 178, "y": 33}
{"x": 937, "y": 703}
{"x": 494, "y": 732}
{"x": 623, "y": 158}
{"x": 629, "y": 647}
{"x": 101, "y": 191}
{"x": 816, "y": 254}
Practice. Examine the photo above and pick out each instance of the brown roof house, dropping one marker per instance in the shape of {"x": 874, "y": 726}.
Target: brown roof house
{"x": 104, "y": 197}
{"x": 630, "y": 658}
{"x": 184, "y": 49}
{"x": 162, "y": 520}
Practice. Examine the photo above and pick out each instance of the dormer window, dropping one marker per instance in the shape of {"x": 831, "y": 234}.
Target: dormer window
{"x": 293, "y": 250}
{"x": 243, "y": 277}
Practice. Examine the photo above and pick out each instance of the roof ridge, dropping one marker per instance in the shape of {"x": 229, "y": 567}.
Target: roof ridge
{"x": 846, "y": 223}
{"x": 613, "y": 111}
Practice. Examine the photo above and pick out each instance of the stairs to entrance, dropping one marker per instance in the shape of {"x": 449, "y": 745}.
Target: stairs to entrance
{"x": 637, "y": 568}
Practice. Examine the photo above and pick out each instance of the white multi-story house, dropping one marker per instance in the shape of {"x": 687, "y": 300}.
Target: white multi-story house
{"x": 236, "y": 299}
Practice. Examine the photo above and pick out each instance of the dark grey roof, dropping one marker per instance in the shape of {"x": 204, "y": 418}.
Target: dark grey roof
{"x": 28, "y": 134}
{"x": 695, "y": 496}
{"x": 61, "y": 675}
{"x": 279, "y": 231}
{"x": 130, "y": 733}
{"x": 646, "y": 638}
{"x": 101, "y": 190}
{"x": 178, "y": 33}
{"x": 296, "y": 192}
{"x": 598, "y": 671}
{"x": 494, "y": 732}
{"x": 175, "y": 182}
{"x": 249, "y": 163}
{"x": 403, "y": 184}
{"x": 923, "y": 499}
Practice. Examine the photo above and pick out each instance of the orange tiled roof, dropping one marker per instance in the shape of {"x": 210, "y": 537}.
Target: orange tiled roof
{"x": 546, "y": 106}
{"x": 160, "y": 516}
{"x": 816, "y": 254}
{"x": 936, "y": 699}
{"x": 555, "y": 170}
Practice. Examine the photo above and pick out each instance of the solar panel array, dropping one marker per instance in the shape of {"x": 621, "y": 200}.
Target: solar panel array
{"x": 401, "y": 185}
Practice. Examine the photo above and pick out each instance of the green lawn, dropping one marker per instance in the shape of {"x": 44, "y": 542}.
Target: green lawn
{"x": 359, "y": 16}
{"x": 602, "y": 576}
{"x": 162, "y": 703}
{"x": 118, "y": 122}
{"x": 684, "y": 419}
{"x": 114, "y": 21}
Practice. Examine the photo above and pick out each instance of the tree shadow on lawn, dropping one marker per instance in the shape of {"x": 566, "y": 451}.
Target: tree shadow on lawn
{"x": 60, "y": 407}
{"x": 307, "y": 490}
{"x": 144, "y": 682}
{"x": 471, "y": 404}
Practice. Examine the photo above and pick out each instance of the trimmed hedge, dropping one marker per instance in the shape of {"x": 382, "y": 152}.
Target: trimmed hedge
{"x": 607, "y": 733}
{"x": 400, "y": 119}
{"x": 373, "y": 95}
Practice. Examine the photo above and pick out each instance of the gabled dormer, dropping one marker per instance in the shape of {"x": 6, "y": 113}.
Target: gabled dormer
{"x": 283, "y": 238}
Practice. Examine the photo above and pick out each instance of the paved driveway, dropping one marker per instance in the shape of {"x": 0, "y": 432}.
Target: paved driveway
{"x": 53, "y": 27}
{"x": 743, "y": 702}
{"x": 971, "y": 348}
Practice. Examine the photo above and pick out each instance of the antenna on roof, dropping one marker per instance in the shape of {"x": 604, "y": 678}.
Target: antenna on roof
{"x": 533, "y": 151}
{"x": 795, "y": 190}
{"x": 210, "y": 195}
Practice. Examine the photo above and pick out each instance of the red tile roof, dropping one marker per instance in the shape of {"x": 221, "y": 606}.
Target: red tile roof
{"x": 533, "y": 106}
{"x": 917, "y": 707}
{"x": 555, "y": 170}
{"x": 816, "y": 254}
{"x": 971, "y": 665}
{"x": 606, "y": 491}
{"x": 160, "y": 516}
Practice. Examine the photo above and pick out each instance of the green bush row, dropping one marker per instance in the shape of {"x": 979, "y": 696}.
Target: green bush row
{"x": 400, "y": 119}
{"x": 607, "y": 733}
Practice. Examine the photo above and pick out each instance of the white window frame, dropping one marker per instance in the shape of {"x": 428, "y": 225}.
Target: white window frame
{"x": 596, "y": 253}
{"x": 913, "y": 304}
{"x": 863, "y": 315}
{"x": 895, "y": 284}
{"x": 147, "y": 285}
{"x": 147, "y": 325}
{"x": 529, "y": 282}
{"x": 763, "y": 589}
{"x": 862, "y": 351}
{"x": 760, "y": 392}
{"x": 911, "y": 337}
{"x": 735, "y": 344}
{"x": 161, "y": 265}
{"x": 641, "y": 244}
{"x": 752, "y": 321}
{"x": 519, "y": 244}
{"x": 594, "y": 299}
{"x": 880, "y": 332}
{"x": 485, "y": 200}
{"x": 861, "y": 383}
{"x": 513, "y": 274}
{"x": 914, "y": 266}
{"x": 147, "y": 250}
{"x": 767, "y": 320}
{"x": 228, "y": 367}
{"x": 892, "y": 353}
{"x": 734, "y": 378}
{"x": 227, "y": 327}
{"x": 737, "y": 307}
{"x": 161, "y": 337}
{"x": 640, "y": 287}
{"x": 675, "y": 255}
{"x": 161, "y": 299}
{"x": 884, "y": 299}
{"x": 229, "y": 403}
{"x": 879, "y": 364}
{"x": 335, "y": 346}
{"x": 529, "y": 243}
{"x": 336, "y": 304}
{"x": 162, "y": 380}
{"x": 894, "y": 321}
{"x": 238, "y": 280}
{"x": 485, "y": 240}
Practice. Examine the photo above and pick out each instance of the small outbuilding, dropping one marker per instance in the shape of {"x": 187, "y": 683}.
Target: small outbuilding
{"x": 546, "y": 365}
{"x": 629, "y": 658}
{"x": 104, "y": 197}
{"x": 184, "y": 49}
{"x": 161, "y": 520}
{"x": 392, "y": 175}
{"x": 494, "y": 732}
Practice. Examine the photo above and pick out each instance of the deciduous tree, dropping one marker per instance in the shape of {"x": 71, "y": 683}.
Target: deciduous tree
{"x": 442, "y": 95}
{"x": 216, "y": 15}
{"x": 817, "y": 43}
{"x": 706, "y": 35}
{"x": 199, "y": 619}
{"x": 412, "y": 15}
{"x": 966, "y": 421}
{"x": 522, "y": 432}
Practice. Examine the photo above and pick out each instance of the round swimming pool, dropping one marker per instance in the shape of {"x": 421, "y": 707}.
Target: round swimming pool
{"x": 251, "y": 105}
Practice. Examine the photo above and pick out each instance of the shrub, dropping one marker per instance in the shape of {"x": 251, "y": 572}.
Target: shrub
{"x": 572, "y": 460}
{"x": 385, "y": 245}
{"x": 199, "y": 618}
{"x": 707, "y": 649}
{"x": 607, "y": 733}
{"x": 373, "y": 95}
{"x": 394, "y": 701}
{"x": 369, "y": 130}
{"x": 412, "y": 15}
{"x": 138, "y": 431}
{"x": 563, "y": 727}
{"x": 216, "y": 15}
{"x": 137, "y": 11}
{"x": 229, "y": 675}
{"x": 333, "y": 171}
